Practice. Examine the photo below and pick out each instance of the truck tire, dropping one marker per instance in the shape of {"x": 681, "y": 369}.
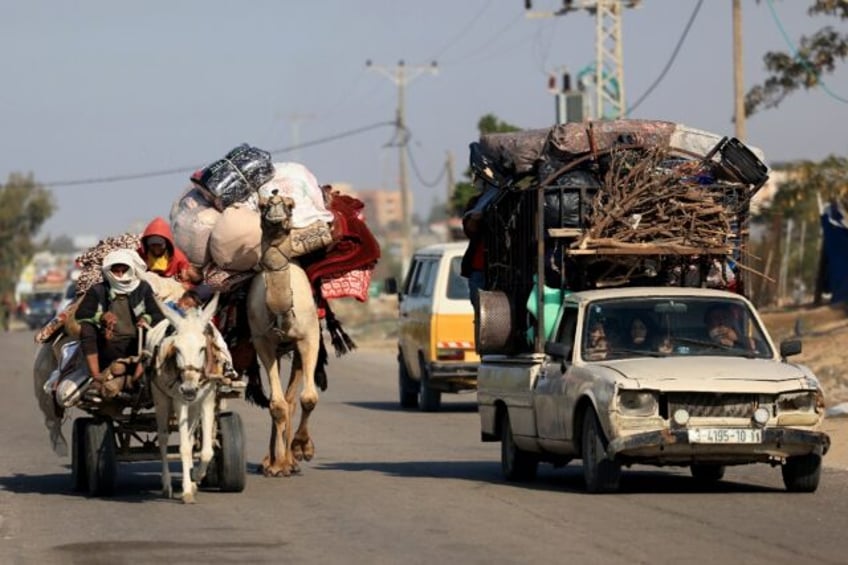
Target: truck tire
{"x": 407, "y": 389}
{"x": 429, "y": 399}
{"x": 802, "y": 473}
{"x": 707, "y": 472}
{"x": 517, "y": 465}
{"x": 600, "y": 473}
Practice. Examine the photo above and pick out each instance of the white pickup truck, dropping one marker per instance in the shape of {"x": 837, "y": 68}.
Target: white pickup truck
{"x": 660, "y": 376}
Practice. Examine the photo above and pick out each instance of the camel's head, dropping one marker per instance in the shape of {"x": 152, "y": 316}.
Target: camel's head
{"x": 188, "y": 350}
{"x": 276, "y": 211}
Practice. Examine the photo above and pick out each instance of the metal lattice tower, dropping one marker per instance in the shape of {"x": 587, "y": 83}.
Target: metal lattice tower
{"x": 609, "y": 99}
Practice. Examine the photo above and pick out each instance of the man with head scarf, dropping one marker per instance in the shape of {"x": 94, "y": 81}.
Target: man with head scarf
{"x": 163, "y": 257}
{"x": 112, "y": 311}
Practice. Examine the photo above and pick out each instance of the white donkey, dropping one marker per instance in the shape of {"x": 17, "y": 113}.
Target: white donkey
{"x": 182, "y": 387}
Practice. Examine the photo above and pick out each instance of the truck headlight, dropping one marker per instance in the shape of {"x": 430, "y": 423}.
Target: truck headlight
{"x": 637, "y": 402}
{"x": 804, "y": 401}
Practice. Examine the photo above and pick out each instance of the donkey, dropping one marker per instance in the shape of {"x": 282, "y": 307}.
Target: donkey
{"x": 183, "y": 386}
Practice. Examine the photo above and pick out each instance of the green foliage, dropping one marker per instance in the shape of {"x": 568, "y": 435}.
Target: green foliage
{"x": 797, "y": 199}
{"x": 464, "y": 190}
{"x": 808, "y": 183}
{"x": 816, "y": 55}
{"x": 24, "y": 207}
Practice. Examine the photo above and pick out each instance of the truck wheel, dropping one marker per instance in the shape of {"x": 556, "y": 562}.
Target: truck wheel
{"x": 408, "y": 392}
{"x": 100, "y": 463}
{"x": 429, "y": 399}
{"x": 600, "y": 473}
{"x": 79, "y": 474}
{"x": 707, "y": 472}
{"x": 517, "y": 465}
{"x": 802, "y": 473}
{"x": 232, "y": 468}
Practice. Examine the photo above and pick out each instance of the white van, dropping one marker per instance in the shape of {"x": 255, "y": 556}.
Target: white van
{"x": 436, "y": 351}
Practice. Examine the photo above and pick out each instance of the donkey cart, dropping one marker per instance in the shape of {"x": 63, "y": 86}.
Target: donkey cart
{"x": 116, "y": 431}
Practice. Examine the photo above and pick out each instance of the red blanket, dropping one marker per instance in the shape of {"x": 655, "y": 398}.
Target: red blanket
{"x": 354, "y": 247}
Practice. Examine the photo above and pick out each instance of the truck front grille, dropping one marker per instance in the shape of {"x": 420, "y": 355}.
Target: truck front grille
{"x": 712, "y": 405}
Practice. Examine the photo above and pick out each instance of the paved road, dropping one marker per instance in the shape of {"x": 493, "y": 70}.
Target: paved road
{"x": 392, "y": 486}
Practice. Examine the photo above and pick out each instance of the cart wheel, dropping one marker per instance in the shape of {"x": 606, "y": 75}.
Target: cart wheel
{"x": 100, "y": 463}
{"x": 232, "y": 469}
{"x": 79, "y": 476}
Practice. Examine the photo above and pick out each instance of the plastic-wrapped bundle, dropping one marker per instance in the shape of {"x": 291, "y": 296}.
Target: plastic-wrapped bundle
{"x": 235, "y": 177}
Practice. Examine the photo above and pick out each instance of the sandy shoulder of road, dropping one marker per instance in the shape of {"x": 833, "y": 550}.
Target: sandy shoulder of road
{"x": 837, "y": 455}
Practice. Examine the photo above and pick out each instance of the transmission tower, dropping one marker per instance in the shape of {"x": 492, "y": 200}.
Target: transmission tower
{"x": 609, "y": 99}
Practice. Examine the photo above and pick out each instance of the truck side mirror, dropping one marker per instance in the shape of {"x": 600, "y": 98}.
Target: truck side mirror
{"x": 390, "y": 286}
{"x": 557, "y": 350}
{"x": 790, "y": 347}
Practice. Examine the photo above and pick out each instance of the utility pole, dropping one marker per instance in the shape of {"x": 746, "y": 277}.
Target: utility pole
{"x": 401, "y": 75}
{"x": 450, "y": 184}
{"x": 609, "y": 50}
{"x": 738, "y": 76}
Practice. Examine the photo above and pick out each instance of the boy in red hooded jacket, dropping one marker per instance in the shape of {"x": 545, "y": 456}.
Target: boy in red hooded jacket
{"x": 162, "y": 257}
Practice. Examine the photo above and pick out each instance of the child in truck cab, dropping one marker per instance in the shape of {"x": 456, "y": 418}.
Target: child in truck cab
{"x": 597, "y": 344}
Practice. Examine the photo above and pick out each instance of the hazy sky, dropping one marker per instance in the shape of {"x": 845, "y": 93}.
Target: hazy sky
{"x": 98, "y": 89}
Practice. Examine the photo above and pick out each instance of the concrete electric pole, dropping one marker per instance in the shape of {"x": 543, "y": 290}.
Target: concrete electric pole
{"x": 738, "y": 76}
{"x": 401, "y": 75}
{"x": 609, "y": 51}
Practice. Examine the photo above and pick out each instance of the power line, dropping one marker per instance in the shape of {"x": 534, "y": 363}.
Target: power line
{"x": 188, "y": 169}
{"x": 418, "y": 172}
{"x": 670, "y": 60}
{"x": 797, "y": 55}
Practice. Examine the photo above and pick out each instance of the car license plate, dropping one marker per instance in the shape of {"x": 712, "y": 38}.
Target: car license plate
{"x": 725, "y": 435}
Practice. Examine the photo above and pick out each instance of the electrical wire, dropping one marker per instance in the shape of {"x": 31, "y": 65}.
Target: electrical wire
{"x": 187, "y": 169}
{"x": 418, "y": 172}
{"x": 670, "y": 60}
{"x": 464, "y": 29}
{"x": 797, "y": 55}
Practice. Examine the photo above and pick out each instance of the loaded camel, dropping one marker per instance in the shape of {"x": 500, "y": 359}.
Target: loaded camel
{"x": 283, "y": 318}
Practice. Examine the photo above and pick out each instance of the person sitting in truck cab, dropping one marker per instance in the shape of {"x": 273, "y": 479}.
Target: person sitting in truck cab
{"x": 597, "y": 343}
{"x": 723, "y": 329}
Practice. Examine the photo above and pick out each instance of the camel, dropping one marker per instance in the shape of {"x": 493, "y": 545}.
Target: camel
{"x": 283, "y": 318}
{"x": 182, "y": 387}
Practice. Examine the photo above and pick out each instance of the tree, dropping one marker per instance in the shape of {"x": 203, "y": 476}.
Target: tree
{"x": 816, "y": 55}
{"x": 24, "y": 207}
{"x": 465, "y": 190}
{"x": 797, "y": 199}
{"x": 62, "y": 245}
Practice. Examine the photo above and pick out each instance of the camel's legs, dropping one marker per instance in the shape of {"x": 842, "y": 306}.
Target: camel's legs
{"x": 276, "y": 463}
{"x": 305, "y": 362}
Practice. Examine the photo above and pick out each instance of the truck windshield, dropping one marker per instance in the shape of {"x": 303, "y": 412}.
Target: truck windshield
{"x": 661, "y": 327}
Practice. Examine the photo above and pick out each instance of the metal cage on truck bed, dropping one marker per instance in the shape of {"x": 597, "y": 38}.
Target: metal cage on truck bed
{"x": 538, "y": 235}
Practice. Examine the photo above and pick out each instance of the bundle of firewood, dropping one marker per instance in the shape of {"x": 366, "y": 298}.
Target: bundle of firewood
{"x": 651, "y": 201}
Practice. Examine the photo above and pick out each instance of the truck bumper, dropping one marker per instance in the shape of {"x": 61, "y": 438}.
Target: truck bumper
{"x": 674, "y": 447}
